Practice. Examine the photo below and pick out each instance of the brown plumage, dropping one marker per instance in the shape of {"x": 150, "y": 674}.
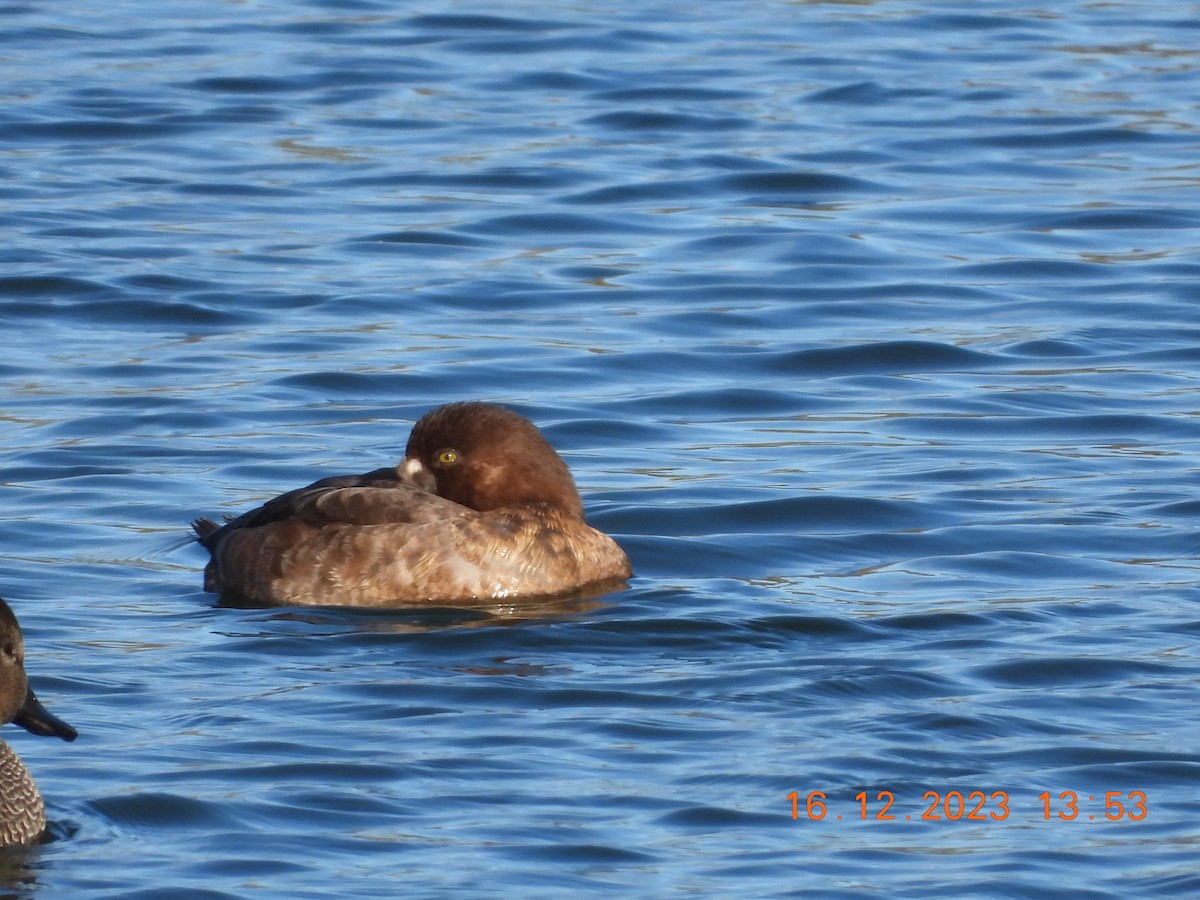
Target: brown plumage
{"x": 480, "y": 509}
{"x": 22, "y": 812}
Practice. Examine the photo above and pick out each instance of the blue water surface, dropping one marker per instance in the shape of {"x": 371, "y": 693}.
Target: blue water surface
{"x": 870, "y": 330}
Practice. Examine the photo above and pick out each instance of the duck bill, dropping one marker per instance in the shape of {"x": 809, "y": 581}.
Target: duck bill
{"x": 412, "y": 471}
{"x": 32, "y": 716}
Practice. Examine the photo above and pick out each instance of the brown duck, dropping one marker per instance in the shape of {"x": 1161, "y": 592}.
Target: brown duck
{"x": 22, "y": 811}
{"x": 481, "y": 509}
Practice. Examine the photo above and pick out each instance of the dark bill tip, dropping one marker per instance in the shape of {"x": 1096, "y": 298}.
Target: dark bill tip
{"x": 32, "y": 716}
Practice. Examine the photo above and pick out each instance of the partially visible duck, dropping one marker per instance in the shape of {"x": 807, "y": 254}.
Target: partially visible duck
{"x": 22, "y": 810}
{"x": 480, "y": 509}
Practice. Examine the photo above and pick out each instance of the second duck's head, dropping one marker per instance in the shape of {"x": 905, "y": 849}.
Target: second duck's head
{"x": 487, "y": 457}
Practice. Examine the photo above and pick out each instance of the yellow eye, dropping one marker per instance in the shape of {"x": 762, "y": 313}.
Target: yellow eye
{"x": 448, "y": 457}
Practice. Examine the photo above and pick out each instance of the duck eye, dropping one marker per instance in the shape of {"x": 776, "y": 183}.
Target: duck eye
{"x": 448, "y": 457}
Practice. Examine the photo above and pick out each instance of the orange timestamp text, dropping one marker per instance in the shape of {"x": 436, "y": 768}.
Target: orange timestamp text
{"x": 974, "y": 806}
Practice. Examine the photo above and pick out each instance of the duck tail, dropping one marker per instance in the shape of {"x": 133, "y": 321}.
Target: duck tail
{"x": 204, "y": 528}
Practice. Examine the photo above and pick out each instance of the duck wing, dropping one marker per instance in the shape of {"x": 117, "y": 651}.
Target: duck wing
{"x": 380, "y": 497}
